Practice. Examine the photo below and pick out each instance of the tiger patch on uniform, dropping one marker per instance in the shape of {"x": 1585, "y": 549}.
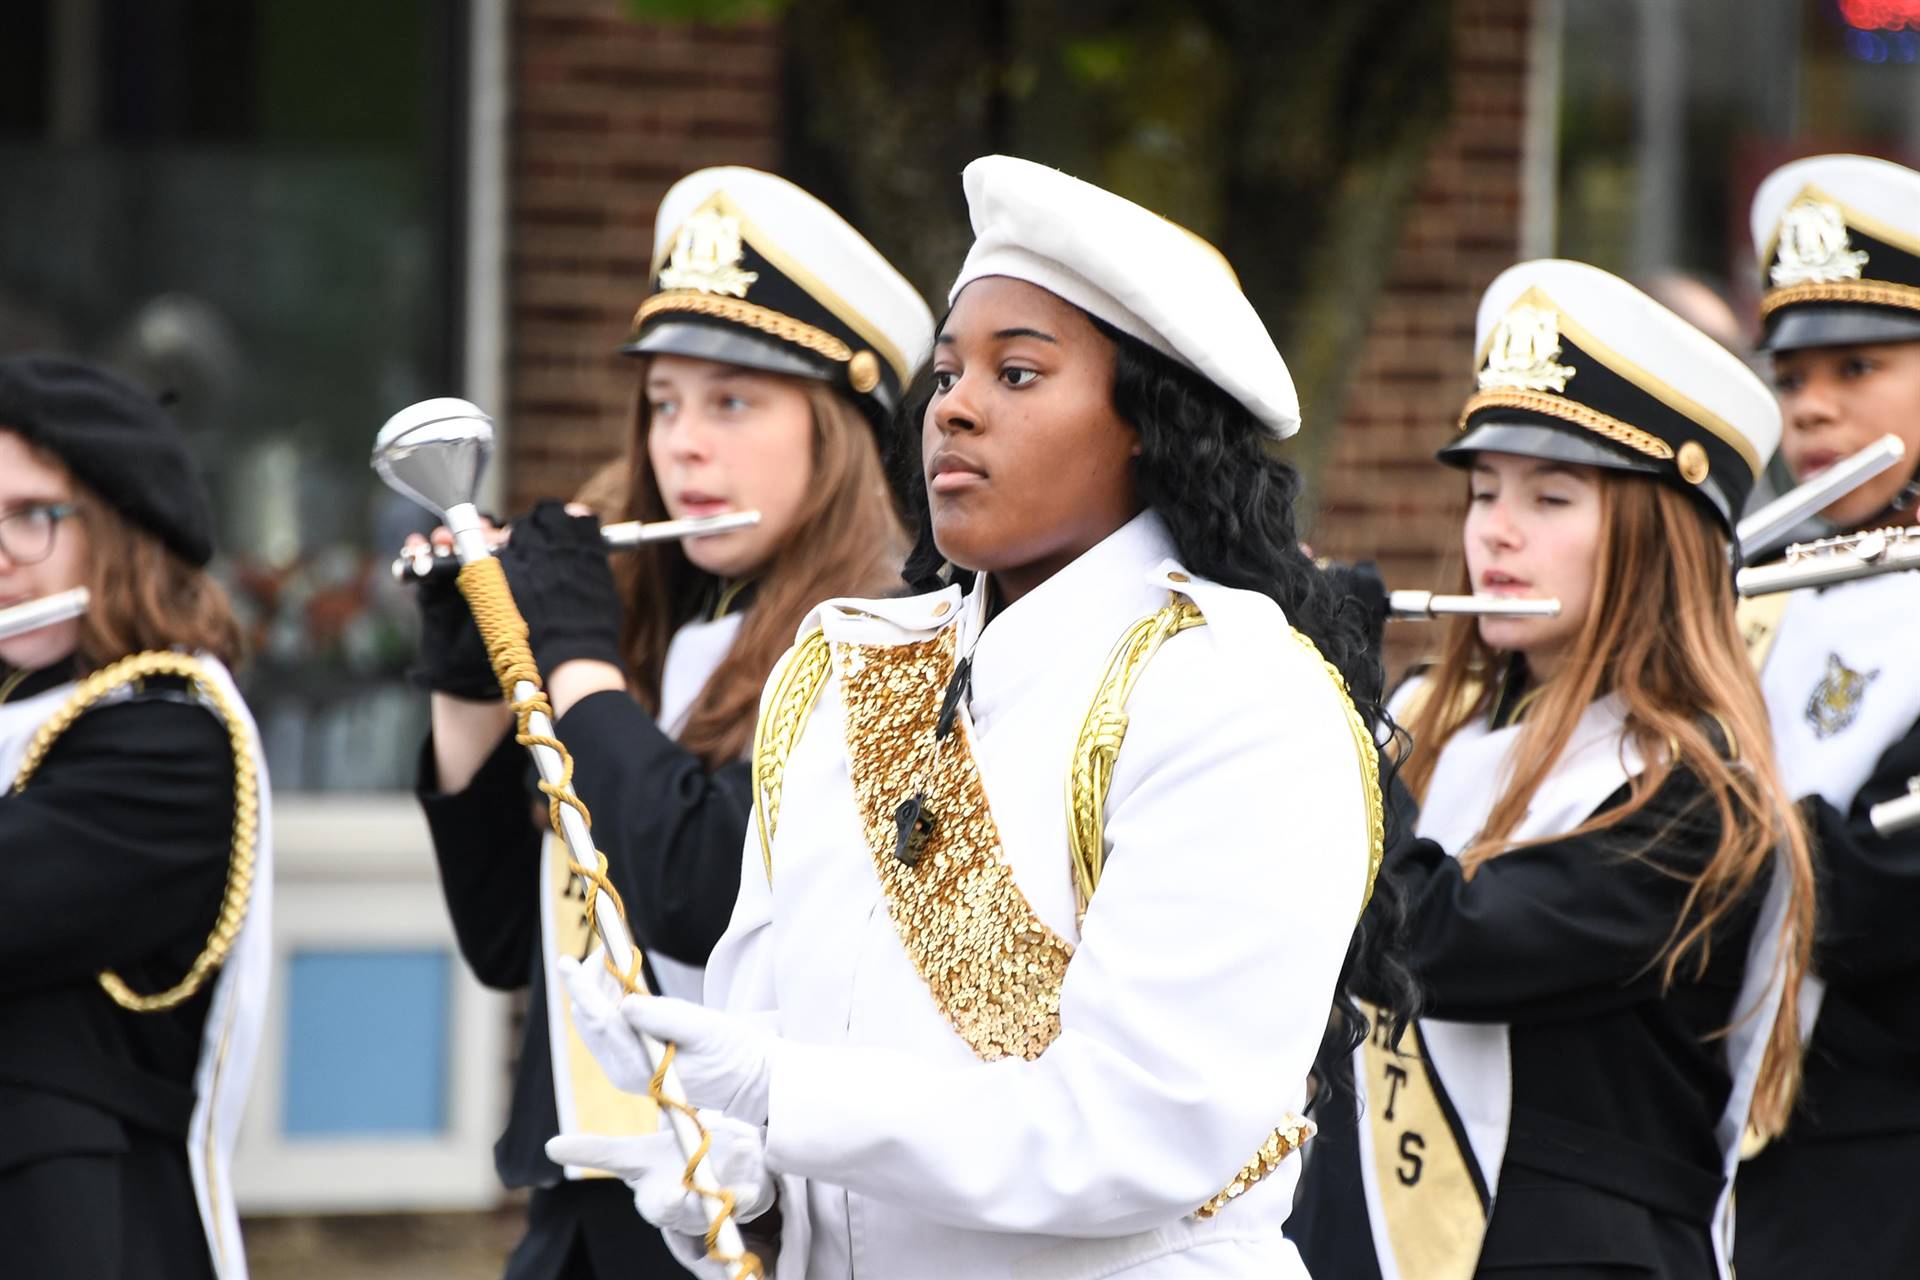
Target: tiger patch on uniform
{"x": 1836, "y": 699}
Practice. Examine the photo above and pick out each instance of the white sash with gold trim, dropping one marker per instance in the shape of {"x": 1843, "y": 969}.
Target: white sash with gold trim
{"x": 585, "y": 1100}
{"x": 1435, "y": 1120}
{"x": 230, "y": 1040}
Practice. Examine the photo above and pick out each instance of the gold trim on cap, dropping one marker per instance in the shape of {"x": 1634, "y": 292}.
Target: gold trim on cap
{"x": 863, "y": 371}
{"x": 765, "y": 319}
{"x": 1692, "y": 461}
{"x": 1573, "y": 411}
{"x": 1879, "y": 293}
{"x": 1651, "y": 383}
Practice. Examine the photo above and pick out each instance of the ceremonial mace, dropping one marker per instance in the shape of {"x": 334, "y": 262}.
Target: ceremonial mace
{"x": 31, "y": 615}
{"x": 434, "y": 452}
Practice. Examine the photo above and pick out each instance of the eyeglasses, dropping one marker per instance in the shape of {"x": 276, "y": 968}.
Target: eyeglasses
{"x": 26, "y": 533}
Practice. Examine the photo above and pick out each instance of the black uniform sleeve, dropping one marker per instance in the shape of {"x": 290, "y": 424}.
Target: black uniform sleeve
{"x": 488, "y": 848}
{"x": 1557, "y": 930}
{"x": 118, "y": 847}
{"x": 1869, "y": 883}
{"x": 672, "y": 831}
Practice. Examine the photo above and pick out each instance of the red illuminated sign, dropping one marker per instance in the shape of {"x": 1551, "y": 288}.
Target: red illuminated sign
{"x": 1881, "y": 15}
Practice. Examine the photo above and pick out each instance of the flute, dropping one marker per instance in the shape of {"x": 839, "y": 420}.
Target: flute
{"x": 1831, "y": 560}
{"x": 31, "y": 615}
{"x": 1426, "y": 604}
{"x": 1757, "y": 531}
{"x": 434, "y": 452}
{"x": 434, "y": 561}
{"x": 1898, "y": 814}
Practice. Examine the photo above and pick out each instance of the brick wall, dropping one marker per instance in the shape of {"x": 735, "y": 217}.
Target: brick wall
{"x": 607, "y": 113}
{"x": 1381, "y": 494}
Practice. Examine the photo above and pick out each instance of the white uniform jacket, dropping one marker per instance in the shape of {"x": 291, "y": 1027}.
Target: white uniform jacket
{"x": 1237, "y": 843}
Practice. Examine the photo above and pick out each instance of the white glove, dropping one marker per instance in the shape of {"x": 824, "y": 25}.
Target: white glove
{"x": 596, "y": 1016}
{"x": 722, "y": 1061}
{"x": 652, "y": 1166}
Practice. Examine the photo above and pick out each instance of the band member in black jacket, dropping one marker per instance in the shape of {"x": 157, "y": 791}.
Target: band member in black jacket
{"x": 1609, "y": 902}
{"x": 773, "y": 343}
{"x": 131, "y": 979}
{"x": 1840, "y": 251}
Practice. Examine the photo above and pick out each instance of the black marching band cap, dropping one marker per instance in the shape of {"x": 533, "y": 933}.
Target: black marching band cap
{"x": 1579, "y": 366}
{"x": 748, "y": 269}
{"x": 1838, "y": 241}
{"x": 117, "y": 439}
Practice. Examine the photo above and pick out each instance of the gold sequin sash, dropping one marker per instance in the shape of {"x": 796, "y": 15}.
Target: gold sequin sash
{"x": 990, "y": 963}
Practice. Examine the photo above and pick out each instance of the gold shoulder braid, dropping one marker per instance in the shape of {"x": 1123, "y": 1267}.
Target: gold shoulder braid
{"x": 246, "y": 810}
{"x": 795, "y": 690}
{"x": 1100, "y": 737}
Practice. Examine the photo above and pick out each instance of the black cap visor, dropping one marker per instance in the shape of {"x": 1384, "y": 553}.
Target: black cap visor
{"x": 729, "y": 344}
{"x": 1838, "y": 325}
{"x": 1537, "y": 440}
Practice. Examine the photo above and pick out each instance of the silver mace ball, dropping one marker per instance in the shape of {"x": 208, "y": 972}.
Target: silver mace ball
{"x": 435, "y": 453}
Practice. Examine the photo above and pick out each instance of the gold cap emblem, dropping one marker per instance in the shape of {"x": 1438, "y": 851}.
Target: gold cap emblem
{"x": 1522, "y": 353}
{"x": 707, "y": 250}
{"x": 863, "y": 371}
{"x": 1692, "y": 461}
{"x": 1814, "y": 248}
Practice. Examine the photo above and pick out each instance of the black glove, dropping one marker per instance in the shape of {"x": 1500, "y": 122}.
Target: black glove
{"x": 452, "y": 658}
{"x": 1361, "y": 587}
{"x": 557, "y": 569}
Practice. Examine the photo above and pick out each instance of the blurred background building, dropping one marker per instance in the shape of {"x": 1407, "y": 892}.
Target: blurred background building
{"x": 301, "y": 217}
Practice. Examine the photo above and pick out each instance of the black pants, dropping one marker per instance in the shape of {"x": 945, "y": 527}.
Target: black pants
{"x": 589, "y": 1230}
{"x": 104, "y": 1215}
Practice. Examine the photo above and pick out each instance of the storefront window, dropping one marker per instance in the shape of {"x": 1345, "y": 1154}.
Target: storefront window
{"x": 250, "y": 205}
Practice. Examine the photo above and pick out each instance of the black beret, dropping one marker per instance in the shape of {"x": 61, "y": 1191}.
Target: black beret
{"x": 117, "y": 439}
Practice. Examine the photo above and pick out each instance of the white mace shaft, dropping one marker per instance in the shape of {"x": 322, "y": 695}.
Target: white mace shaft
{"x": 31, "y": 615}
{"x": 470, "y": 544}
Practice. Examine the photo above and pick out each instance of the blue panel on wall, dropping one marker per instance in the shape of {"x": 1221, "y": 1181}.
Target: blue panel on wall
{"x": 367, "y": 1035}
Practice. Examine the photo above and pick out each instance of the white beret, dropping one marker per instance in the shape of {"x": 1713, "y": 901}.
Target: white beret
{"x": 750, "y": 269}
{"x": 1572, "y": 349}
{"x": 1838, "y": 242}
{"x": 1142, "y": 274}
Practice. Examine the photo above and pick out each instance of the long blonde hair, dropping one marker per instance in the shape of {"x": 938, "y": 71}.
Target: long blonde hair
{"x": 847, "y": 541}
{"x": 1660, "y": 635}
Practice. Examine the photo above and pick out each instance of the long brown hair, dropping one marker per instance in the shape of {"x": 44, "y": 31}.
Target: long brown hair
{"x": 144, "y": 595}
{"x": 1661, "y": 636}
{"x": 847, "y": 541}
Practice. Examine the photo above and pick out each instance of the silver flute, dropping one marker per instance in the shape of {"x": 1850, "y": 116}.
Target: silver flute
{"x": 1757, "y": 531}
{"x": 1830, "y": 560}
{"x": 31, "y": 615}
{"x": 1426, "y": 604}
{"x": 1902, "y": 813}
{"x": 428, "y": 561}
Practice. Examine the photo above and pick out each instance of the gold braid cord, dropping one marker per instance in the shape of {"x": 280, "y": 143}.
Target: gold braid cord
{"x": 246, "y": 810}
{"x": 766, "y": 320}
{"x": 1601, "y": 424}
{"x": 504, "y": 631}
{"x": 1879, "y": 293}
{"x": 794, "y": 691}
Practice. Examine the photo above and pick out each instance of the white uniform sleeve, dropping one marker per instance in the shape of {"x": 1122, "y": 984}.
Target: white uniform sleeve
{"x": 1194, "y": 1003}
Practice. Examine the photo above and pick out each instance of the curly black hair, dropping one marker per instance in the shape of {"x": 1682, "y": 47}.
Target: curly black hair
{"x": 1228, "y": 504}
